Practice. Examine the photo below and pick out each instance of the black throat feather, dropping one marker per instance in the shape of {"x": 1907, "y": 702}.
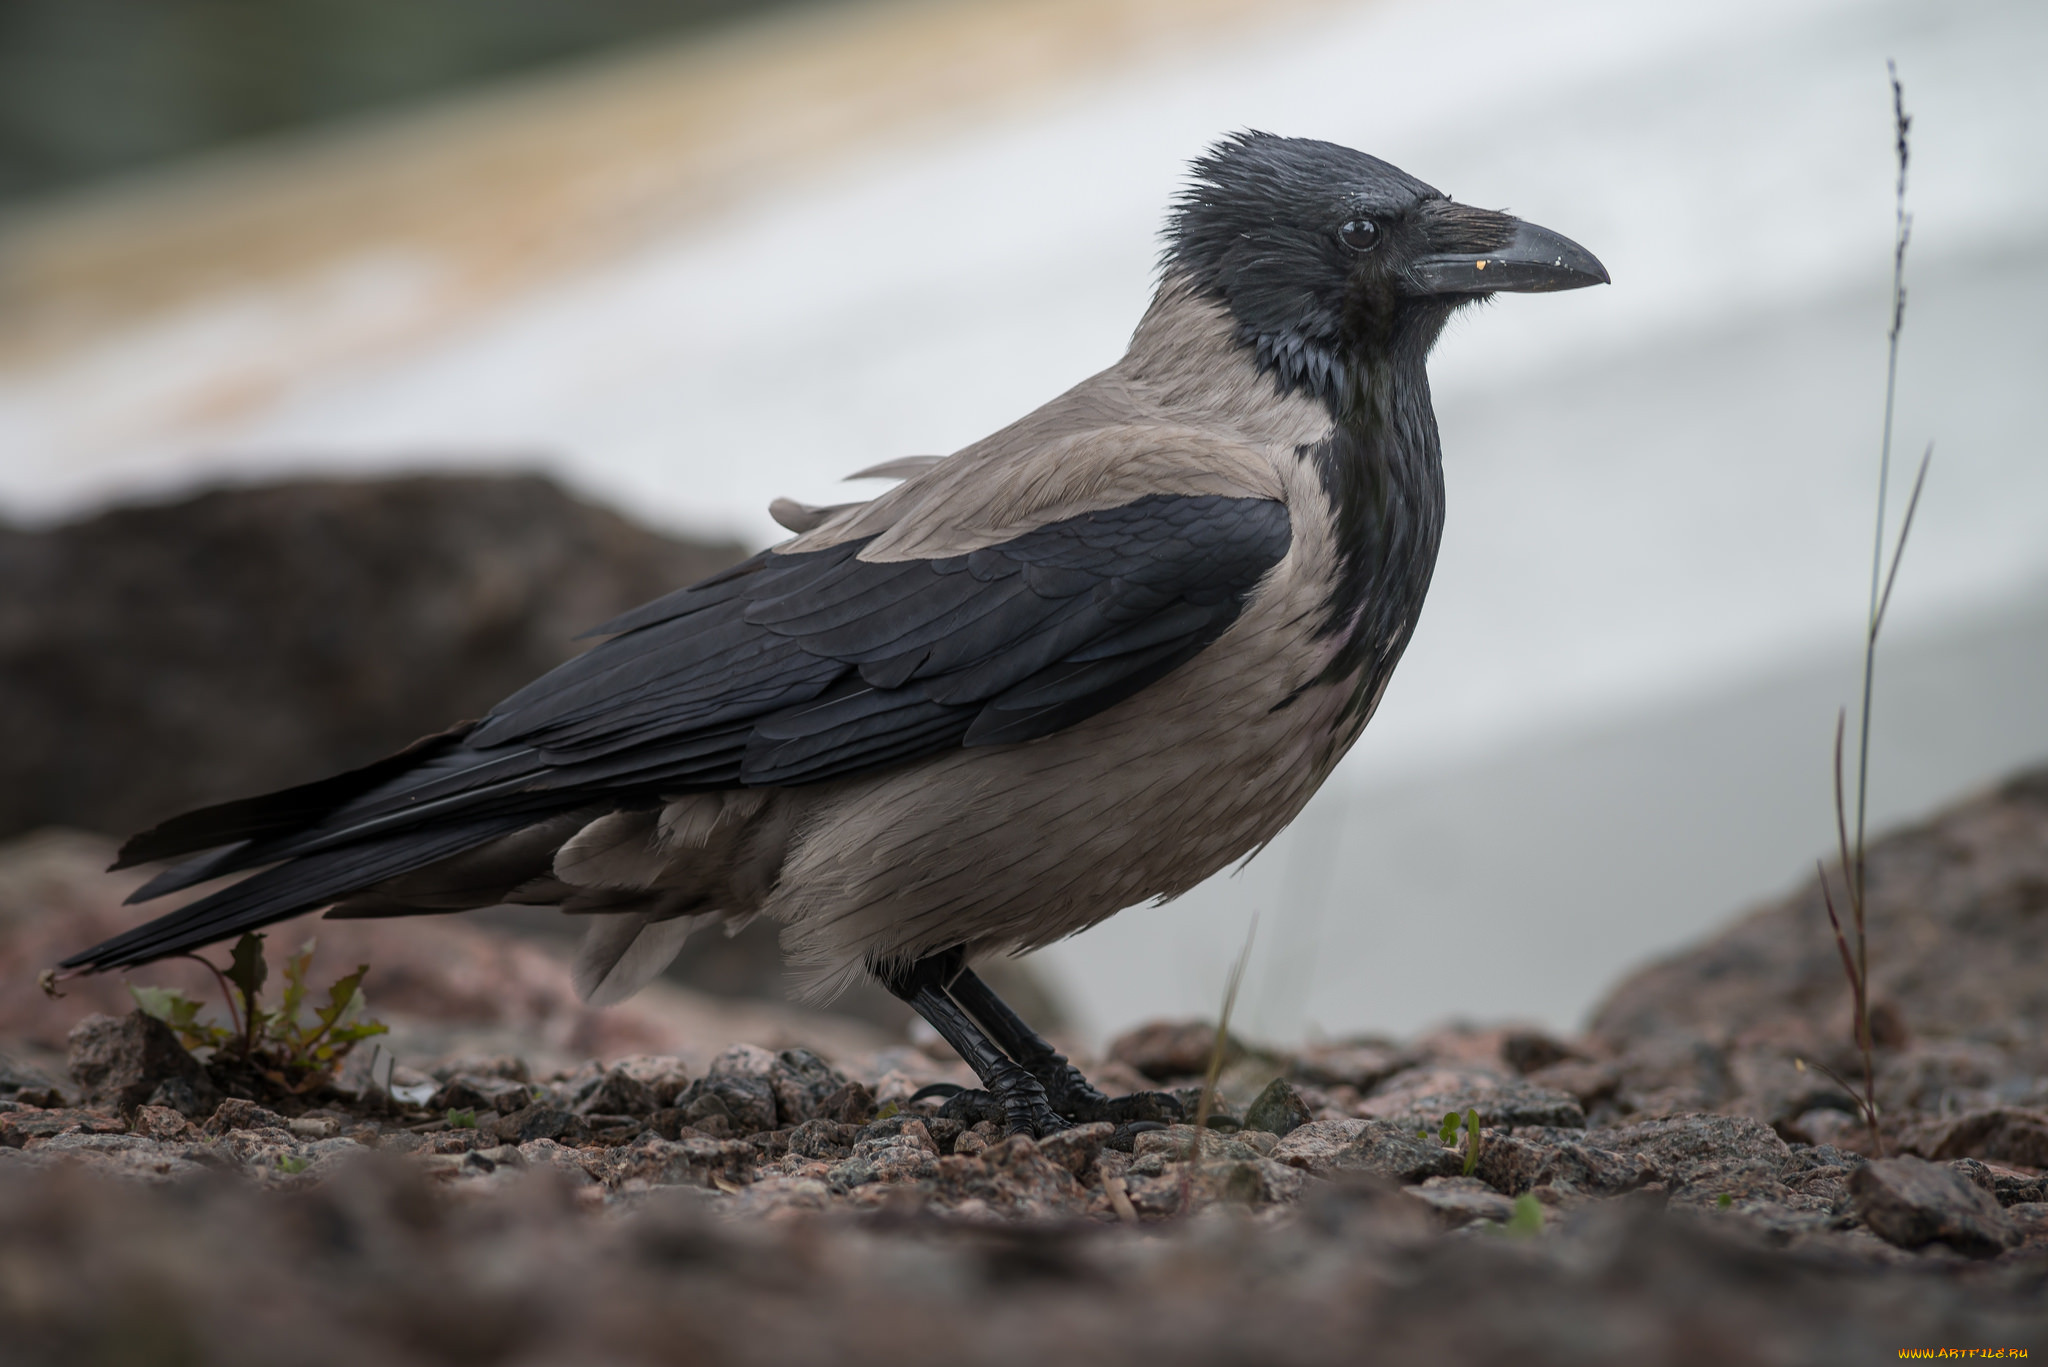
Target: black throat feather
{"x": 1381, "y": 468}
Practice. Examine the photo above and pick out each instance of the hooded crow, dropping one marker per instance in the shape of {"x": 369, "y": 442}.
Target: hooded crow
{"x": 1082, "y": 663}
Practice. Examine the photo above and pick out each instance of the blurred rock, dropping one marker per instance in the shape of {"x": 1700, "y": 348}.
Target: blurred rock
{"x": 1958, "y": 926}
{"x": 1460, "y": 1201}
{"x": 1513, "y": 1164}
{"x": 2002, "y": 1135}
{"x": 480, "y": 1093}
{"x": 1498, "y": 1103}
{"x": 158, "y": 658}
{"x": 1911, "y": 1203}
{"x": 1703, "y": 1157}
{"x": 1168, "y": 1050}
{"x": 1277, "y": 1110}
{"x": 1325, "y": 1147}
{"x": 1360, "y": 1064}
{"x": 122, "y": 1062}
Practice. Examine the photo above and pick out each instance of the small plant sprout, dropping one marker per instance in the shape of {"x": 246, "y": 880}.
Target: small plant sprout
{"x": 1725, "y": 1200}
{"x": 1855, "y": 955}
{"x": 292, "y": 1049}
{"x": 1527, "y": 1220}
{"x": 291, "y": 1164}
{"x": 462, "y": 1119}
{"x": 1447, "y": 1135}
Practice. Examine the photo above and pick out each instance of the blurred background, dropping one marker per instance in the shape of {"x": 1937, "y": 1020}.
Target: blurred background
{"x": 678, "y": 257}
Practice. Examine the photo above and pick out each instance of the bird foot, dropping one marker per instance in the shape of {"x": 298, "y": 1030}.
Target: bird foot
{"x": 1058, "y": 1099}
{"x": 1015, "y": 1100}
{"x": 1072, "y": 1095}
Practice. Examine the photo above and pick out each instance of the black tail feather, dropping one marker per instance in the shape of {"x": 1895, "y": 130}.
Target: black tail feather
{"x": 191, "y": 872}
{"x": 302, "y": 885}
{"x": 275, "y": 814}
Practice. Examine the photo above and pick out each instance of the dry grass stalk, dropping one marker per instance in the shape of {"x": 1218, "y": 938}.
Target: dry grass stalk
{"x": 1855, "y": 954}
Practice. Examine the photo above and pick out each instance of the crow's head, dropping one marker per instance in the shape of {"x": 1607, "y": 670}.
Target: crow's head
{"x": 1327, "y": 257}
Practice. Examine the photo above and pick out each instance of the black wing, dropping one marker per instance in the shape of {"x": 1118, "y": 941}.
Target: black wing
{"x": 786, "y": 669}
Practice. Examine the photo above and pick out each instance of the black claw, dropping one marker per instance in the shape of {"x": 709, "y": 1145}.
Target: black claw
{"x": 932, "y": 1089}
{"x": 969, "y": 1107}
{"x": 1126, "y": 1136}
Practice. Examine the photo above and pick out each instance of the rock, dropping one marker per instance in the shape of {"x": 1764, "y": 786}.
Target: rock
{"x": 1672, "y": 1073}
{"x": 539, "y": 1121}
{"x": 896, "y": 1149}
{"x": 249, "y": 638}
{"x": 1026, "y": 1181}
{"x": 803, "y": 1085}
{"x": 1500, "y": 1104}
{"x": 237, "y": 1114}
{"x": 1515, "y": 1164}
{"x": 130, "y": 1157}
{"x": 1362, "y": 1064}
{"x": 1277, "y": 1110}
{"x": 1166, "y": 1050}
{"x": 1324, "y": 1147}
{"x": 618, "y": 1092}
{"x": 1529, "y": 1051}
{"x": 2031, "y": 1222}
{"x": 165, "y": 1125}
{"x": 1590, "y": 1082}
{"x": 1959, "y": 944}
{"x": 1178, "y": 1143}
{"x": 1460, "y": 1201}
{"x": 665, "y": 1075}
{"x": 21, "y": 1128}
{"x": 481, "y": 1093}
{"x": 823, "y": 1139}
{"x": 16, "y": 1078}
{"x": 121, "y": 1062}
{"x": 1940, "y": 1076}
{"x": 2009, "y": 1188}
{"x": 690, "y": 1162}
{"x": 852, "y": 1104}
{"x": 571, "y": 1164}
{"x": 742, "y": 1060}
{"x": 741, "y": 1082}
{"x": 1819, "y": 1176}
{"x": 178, "y": 1094}
{"x": 1314, "y": 1147}
{"x": 1702, "y": 1157}
{"x": 2001, "y": 1134}
{"x": 1911, "y": 1203}
{"x": 503, "y": 1067}
{"x": 901, "y": 1128}
{"x": 1076, "y": 1149}
{"x": 1776, "y": 1090}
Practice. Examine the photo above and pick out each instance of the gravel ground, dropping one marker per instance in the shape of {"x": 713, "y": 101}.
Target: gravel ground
{"x": 1683, "y": 1184}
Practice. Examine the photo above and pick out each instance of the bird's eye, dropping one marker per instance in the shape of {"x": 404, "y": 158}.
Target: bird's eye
{"x": 1360, "y": 234}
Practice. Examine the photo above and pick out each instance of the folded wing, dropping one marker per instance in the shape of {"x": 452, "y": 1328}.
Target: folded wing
{"x": 788, "y": 669}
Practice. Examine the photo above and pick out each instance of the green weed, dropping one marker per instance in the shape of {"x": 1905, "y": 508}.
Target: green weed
{"x": 295, "y": 1047}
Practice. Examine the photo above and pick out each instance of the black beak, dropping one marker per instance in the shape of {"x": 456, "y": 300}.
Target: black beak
{"x": 1533, "y": 260}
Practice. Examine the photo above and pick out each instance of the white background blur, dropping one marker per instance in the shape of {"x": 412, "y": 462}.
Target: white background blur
{"x": 1612, "y": 729}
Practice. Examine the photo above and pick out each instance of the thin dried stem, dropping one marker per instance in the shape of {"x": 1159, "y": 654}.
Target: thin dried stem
{"x": 1855, "y": 870}
{"x": 1902, "y": 235}
{"x": 1208, "y": 1099}
{"x": 1905, "y": 530}
{"x": 227, "y": 991}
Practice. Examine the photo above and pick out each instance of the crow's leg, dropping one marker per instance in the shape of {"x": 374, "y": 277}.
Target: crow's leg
{"x": 1066, "y": 1090}
{"x": 1019, "y": 1095}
